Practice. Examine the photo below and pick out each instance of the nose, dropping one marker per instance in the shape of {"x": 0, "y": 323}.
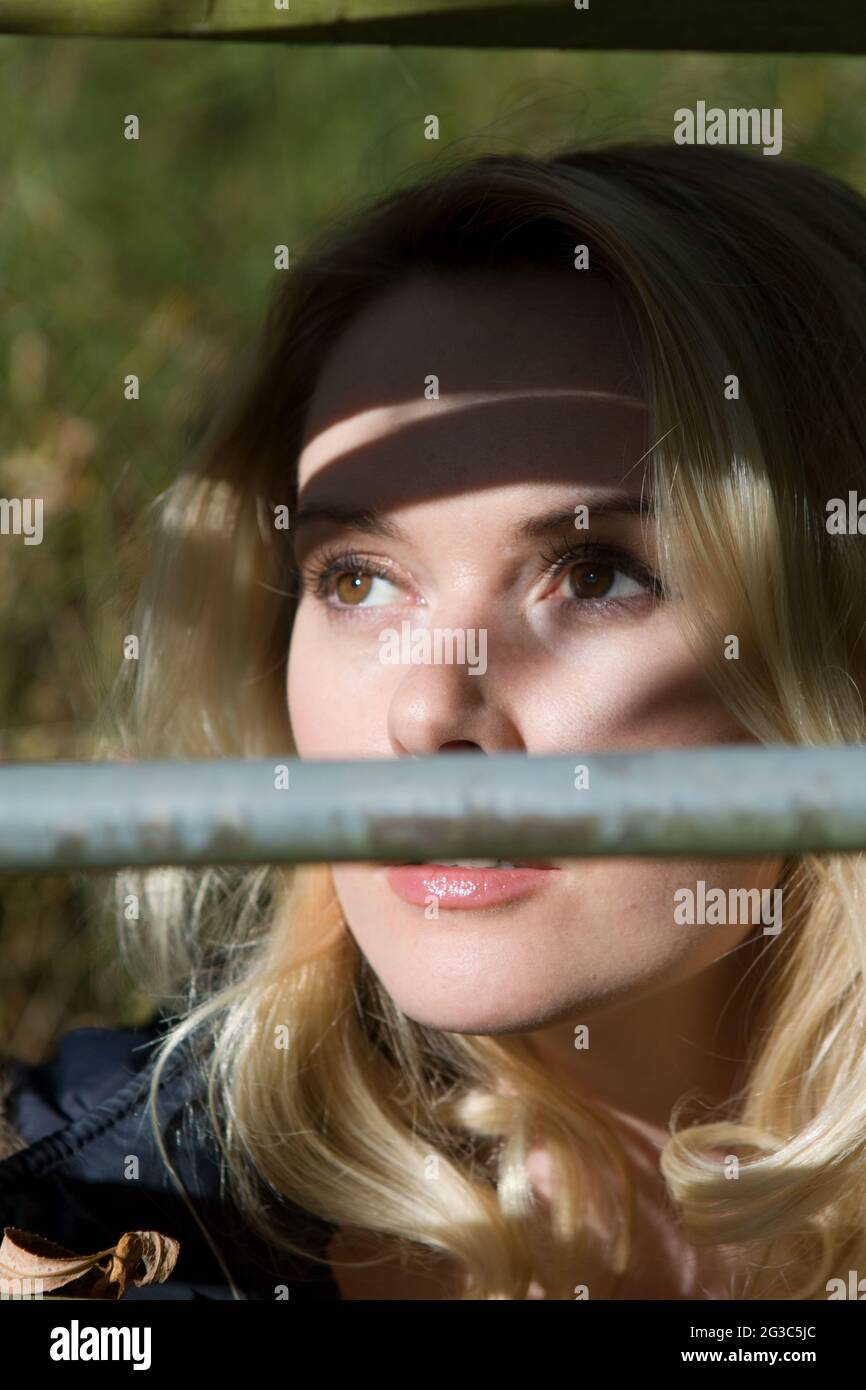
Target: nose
{"x": 444, "y": 709}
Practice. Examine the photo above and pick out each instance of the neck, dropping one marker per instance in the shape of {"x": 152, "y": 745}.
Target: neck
{"x": 642, "y": 1056}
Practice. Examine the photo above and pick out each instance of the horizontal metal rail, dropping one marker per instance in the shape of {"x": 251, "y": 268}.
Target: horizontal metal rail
{"x": 740, "y": 26}
{"x": 730, "y": 800}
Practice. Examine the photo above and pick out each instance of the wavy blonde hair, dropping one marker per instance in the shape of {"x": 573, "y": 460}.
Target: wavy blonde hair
{"x": 733, "y": 264}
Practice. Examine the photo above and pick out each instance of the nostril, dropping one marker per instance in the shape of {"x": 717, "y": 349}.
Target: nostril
{"x": 460, "y": 746}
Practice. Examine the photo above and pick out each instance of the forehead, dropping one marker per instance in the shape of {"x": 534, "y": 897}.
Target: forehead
{"x": 468, "y": 374}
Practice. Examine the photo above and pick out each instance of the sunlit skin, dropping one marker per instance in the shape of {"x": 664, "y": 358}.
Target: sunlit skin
{"x": 541, "y": 408}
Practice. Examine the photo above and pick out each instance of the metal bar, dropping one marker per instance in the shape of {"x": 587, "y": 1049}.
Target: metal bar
{"x": 735, "y": 799}
{"x": 740, "y": 26}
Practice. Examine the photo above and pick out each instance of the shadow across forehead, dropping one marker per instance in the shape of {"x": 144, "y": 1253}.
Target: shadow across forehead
{"x": 393, "y": 458}
{"x": 460, "y": 382}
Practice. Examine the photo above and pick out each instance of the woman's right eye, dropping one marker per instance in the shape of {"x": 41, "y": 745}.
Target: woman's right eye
{"x": 361, "y": 589}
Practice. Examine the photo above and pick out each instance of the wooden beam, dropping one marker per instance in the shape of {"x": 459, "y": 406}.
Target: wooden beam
{"x": 742, "y": 26}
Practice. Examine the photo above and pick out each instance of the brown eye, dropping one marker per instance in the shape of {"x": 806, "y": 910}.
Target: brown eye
{"x": 353, "y": 588}
{"x": 591, "y": 580}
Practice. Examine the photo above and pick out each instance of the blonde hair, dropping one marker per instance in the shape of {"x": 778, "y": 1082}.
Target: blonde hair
{"x": 733, "y": 265}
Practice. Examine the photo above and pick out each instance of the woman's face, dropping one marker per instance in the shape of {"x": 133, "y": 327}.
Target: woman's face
{"x": 456, "y": 511}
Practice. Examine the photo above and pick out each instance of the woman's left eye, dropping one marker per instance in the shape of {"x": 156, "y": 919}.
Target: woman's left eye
{"x": 599, "y": 579}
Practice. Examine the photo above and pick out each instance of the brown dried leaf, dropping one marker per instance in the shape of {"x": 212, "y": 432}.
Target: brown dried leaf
{"x": 107, "y": 1274}
{"x": 158, "y": 1254}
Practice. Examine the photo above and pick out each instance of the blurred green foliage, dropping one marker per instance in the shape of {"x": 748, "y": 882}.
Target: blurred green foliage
{"x": 156, "y": 257}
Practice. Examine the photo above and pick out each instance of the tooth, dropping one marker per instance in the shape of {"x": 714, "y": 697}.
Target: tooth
{"x": 472, "y": 863}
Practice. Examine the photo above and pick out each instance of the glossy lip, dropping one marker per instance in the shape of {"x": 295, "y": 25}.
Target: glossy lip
{"x": 464, "y": 888}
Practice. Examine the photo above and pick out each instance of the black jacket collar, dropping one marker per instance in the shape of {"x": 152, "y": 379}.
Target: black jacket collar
{"x": 92, "y": 1170}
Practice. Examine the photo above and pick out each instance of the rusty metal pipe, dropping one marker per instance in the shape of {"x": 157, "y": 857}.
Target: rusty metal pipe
{"x": 729, "y": 800}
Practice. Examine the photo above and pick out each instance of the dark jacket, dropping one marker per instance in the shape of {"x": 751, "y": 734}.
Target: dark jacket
{"x": 83, "y": 1117}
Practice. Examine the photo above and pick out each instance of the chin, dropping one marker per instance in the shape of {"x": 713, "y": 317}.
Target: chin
{"x": 477, "y": 1009}
{"x": 488, "y": 1023}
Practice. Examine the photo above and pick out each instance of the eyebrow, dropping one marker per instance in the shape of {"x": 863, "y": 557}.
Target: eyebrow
{"x": 374, "y": 523}
{"x": 365, "y": 519}
{"x": 537, "y": 526}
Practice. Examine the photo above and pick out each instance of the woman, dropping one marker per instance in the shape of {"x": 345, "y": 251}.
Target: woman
{"x": 589, "y": 413}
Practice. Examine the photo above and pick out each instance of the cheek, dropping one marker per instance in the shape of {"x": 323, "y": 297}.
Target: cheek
{"x": 337, "y": 691}
{"x": 623, "y": 686}
{"x": 628, "y": 918}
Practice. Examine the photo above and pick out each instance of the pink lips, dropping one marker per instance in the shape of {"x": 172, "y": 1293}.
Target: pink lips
{"x": 455, "y": 887}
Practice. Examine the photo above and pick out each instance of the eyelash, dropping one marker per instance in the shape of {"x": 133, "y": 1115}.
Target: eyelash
{"x": 560, "y": 558}
{"x": 331, "y": 564}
